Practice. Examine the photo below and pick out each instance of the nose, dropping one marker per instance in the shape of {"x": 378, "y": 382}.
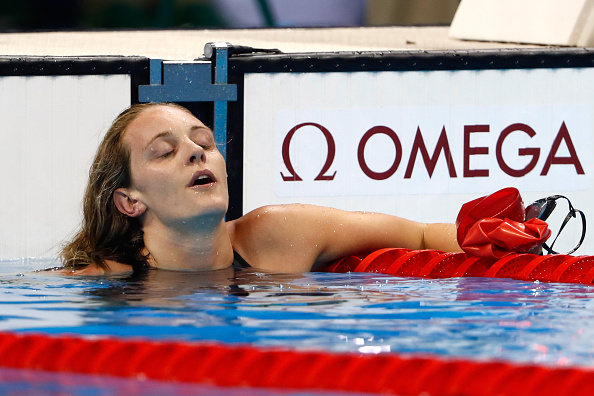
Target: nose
{"x": 195, "y": 153}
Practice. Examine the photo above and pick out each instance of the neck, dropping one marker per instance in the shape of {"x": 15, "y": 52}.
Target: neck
{"x": 187, "y": 247}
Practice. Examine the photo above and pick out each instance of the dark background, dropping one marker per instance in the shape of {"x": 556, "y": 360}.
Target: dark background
{"x": 35, "y": 15}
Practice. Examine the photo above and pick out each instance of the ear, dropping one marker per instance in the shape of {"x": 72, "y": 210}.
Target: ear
{"x": 126, "y": 204}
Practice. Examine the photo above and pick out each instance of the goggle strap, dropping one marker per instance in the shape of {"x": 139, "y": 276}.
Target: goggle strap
{"x": 572, "y": 213}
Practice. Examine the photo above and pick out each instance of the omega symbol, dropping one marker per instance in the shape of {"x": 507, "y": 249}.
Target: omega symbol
{"x": 293, "y": 176}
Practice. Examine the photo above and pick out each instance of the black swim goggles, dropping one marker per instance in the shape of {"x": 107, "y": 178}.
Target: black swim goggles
{"x": 543, "y": 208}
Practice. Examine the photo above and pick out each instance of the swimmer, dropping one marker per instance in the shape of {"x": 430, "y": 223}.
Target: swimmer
{"x": 157, "y": 197}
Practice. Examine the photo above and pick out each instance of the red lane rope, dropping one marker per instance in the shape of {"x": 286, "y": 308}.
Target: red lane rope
{"x": 227, "y": 365}
{"x": 436, "y": 264}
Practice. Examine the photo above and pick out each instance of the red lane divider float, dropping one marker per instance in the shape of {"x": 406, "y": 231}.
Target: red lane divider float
{"x": 236, "y": 366}
{"x": 437, "y": 264}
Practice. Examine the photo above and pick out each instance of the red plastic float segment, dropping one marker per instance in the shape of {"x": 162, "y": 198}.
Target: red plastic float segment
{"x": 482, "y": 379}
{"x": 302, "y": 371}
{"x": 447, "y": 378}
{"x": 187, "y": 362}
{"x": 581, "y": 386}
{"x": 436, "y": 264}
{"x": 412, "y": 263}
{"x": 473, "y": 266}
{"x": 575, "y": 271}
{"x": 381, "y": 259}
{"x": 548, "y": 385}
{"x": 284, "y": 369}
{"x": 241, "y": 359}
{"x": 201, "y": 363}
{"x": 20, "y": 352}
{"x": 253, "y": 375}
{"x": 442, "y": 266}
{"x": 372, "y": 375}
{"x": 541, "y": 266}
{"x": 414, "y": 376}
{"x": 509, "y": 266}
{"x": 529, "y": 376}
{"x": 126, "y": 360}
{"x": 100, "y": 351}
{"x": 589, "y": 277}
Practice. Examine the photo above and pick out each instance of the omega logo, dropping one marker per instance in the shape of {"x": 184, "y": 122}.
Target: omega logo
{"x": 329, "y": 158}
{"x": 442, "y": 146}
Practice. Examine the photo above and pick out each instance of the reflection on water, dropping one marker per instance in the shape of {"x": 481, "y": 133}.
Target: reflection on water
{"x": 368, "y": 313}
{"x": 35, "y": 383}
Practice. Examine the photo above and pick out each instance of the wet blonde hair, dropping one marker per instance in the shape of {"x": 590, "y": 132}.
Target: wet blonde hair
{"x": 106, "y": 233}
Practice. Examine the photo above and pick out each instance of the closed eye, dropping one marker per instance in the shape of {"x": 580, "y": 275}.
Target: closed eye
{"x": 166, "y": 154}
{"x": 203, "y": 137}
{"x": 162, "y": 150}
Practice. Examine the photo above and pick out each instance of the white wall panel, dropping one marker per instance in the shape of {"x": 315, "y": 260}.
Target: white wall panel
{"x": 50, "y": 127}
{"x": 350, "y": 104}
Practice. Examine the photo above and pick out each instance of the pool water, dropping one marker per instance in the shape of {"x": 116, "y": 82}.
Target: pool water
{"x": 36, "y": 383}
{"x": 476, "y": 318}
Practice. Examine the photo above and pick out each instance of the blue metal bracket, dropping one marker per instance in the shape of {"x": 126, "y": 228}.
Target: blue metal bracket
{"x": 192, "y": 81}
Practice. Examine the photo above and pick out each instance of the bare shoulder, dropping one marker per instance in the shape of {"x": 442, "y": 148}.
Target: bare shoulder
{"x": 269, "y": 220}
{"x": 272, "y": 234}
{"x": 259, "y": 224}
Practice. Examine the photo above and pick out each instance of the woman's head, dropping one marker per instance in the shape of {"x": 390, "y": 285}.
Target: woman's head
{"x": 106, "y": 232}
{"x": 177, "y": 176}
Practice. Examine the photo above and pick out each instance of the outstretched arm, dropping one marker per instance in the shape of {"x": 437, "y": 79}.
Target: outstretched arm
{"x": 295, "y": 238}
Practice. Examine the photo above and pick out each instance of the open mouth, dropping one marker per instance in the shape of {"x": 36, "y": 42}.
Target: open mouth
{"x": 202, "y": 179}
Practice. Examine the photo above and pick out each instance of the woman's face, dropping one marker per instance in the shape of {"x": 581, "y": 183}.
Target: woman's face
{"x": 177, "y": 172}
